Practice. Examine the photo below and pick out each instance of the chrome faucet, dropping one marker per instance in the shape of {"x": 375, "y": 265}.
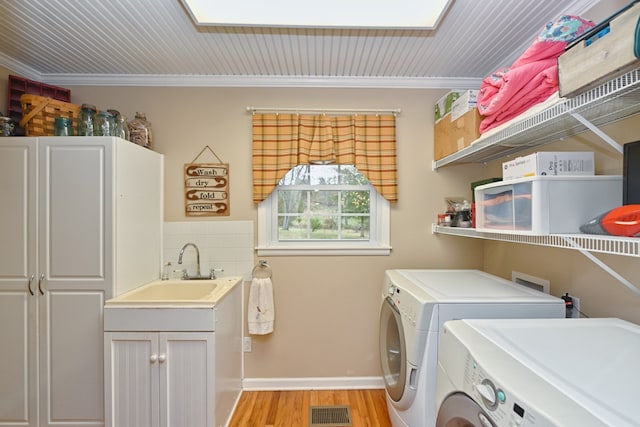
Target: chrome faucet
{"x": 186, "y": 276}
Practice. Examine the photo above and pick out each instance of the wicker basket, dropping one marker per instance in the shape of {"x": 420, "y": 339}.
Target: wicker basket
{"x": 39, "y": 114}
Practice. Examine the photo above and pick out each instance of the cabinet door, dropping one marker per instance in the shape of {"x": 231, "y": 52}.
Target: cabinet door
{"x": 131, "y": 371}
{"x": 18, "y": 302}
{"x": 76, "y": 213}
{"x": 75, "y": 253}
{"x": 187, "y": 379}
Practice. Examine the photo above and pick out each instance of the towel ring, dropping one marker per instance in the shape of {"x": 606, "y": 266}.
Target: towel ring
{"x": 261, "y": 270}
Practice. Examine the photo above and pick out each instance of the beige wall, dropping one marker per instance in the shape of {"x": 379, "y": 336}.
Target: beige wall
{"x": 600, "y": 294}
{"x": 327, "y": 307}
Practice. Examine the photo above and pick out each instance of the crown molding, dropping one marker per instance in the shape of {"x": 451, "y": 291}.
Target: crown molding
{"x": 174, "y": 80}
{"x": 259, "y": 81}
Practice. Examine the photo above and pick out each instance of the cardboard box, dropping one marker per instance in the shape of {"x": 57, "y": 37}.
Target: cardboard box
{"x": 550, "y": 163}
{"x": 542, "y": 205}
{"x": 443, "y": 105}
{"x": 606, "y": 52}
{"x": 451, "y": 136}
{"x": 467, "y": 101}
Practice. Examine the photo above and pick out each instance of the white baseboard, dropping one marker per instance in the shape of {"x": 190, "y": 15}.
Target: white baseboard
{"x": 233, "y": 410}
{"x": 319, "y": 383}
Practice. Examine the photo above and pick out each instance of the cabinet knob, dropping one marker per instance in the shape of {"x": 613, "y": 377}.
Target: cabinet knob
{"x": 153, "y": 358}
{"x": 162, "y": 358}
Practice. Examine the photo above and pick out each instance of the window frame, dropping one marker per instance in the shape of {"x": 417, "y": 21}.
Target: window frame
{"x": 379, "y": 233}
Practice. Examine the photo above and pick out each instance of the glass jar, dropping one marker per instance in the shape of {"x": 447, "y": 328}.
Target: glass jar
{"x": 86, "y": 120}
{"x": 140, "y": 131}
{"x": 6, "y": 126}
{"x": 63, "y": 126}
{"x": 104, "y": 124}
{"x": 121, "y": 129}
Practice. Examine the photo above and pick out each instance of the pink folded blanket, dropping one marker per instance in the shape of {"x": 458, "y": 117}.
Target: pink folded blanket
{"x": 530, "y": 80}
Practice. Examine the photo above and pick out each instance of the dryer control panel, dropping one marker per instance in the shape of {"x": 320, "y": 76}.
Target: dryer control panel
{"x": 499, "y": 404}
{"x": 492, "y": 382}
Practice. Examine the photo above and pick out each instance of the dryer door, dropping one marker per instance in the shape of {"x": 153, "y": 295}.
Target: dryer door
{"x": 459, "y": 410}
{"x": 392, "y": 350}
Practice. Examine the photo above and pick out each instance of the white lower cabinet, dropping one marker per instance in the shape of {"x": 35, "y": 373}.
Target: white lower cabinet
{"x": 167, "y": 365}
{"x": 160, "y": 379}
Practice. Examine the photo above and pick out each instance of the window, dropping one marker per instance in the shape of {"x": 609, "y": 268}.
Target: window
{"x": 412, "y": 14}
{"x": 324, "y": 210}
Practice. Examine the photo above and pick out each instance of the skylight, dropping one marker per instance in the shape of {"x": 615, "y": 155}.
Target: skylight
{"x": 387, "y": 14}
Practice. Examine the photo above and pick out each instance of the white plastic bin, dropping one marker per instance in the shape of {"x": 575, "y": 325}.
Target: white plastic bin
{"x": 545, "y": 204}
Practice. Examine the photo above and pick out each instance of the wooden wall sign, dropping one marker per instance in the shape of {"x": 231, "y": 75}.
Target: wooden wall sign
{"x": 206, "y": 189}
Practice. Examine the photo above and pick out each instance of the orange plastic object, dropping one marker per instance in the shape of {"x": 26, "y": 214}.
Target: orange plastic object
{"x": 621, "y": 221}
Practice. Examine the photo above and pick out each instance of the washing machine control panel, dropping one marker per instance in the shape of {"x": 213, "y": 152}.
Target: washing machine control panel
{"x": 409, "y": 307}
{"x": 501, "y": 406}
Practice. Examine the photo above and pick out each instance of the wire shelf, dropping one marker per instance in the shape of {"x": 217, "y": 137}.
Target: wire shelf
{"x": 627, "y": 246}
{"x": 612, "y": 101}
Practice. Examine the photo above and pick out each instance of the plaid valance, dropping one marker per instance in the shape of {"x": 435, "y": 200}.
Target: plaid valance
{"x": 284, "y": 141}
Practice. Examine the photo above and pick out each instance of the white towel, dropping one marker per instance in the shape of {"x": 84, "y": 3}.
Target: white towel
{"x": 260, "y": 312}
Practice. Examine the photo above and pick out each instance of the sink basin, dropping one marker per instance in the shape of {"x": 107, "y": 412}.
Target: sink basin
{"x": 171, "y": 305}
{"x": 176, "y": 292}
{"x": 172, "y": 290}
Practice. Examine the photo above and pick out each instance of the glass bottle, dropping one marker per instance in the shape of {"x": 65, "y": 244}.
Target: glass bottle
{"x": 140, "y": 131}
{"x": 104, "y": 124}
{"x": 86, "y": 119}
{"x": 63, "y": 126}
{"x": 122, "y": 128}
{"x": 166, "y": 271}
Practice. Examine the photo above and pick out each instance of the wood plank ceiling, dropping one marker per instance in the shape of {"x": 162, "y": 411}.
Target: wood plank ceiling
{"x": 156, "y": 42}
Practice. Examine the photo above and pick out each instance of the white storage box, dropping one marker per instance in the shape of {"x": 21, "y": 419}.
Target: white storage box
{"x": 467, "y": 101}
{"x": 545, "y": 204}
{"x": 550, "y": 163}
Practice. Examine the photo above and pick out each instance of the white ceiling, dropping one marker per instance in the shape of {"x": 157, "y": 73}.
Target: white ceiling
{"x": 155, "y": 42}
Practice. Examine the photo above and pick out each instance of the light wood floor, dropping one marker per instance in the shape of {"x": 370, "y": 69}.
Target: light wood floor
{"x": 291, "y": 408}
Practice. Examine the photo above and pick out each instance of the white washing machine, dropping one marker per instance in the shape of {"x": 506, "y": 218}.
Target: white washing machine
{"x": 415, "y": 304}
{"x": 544, "y": 372}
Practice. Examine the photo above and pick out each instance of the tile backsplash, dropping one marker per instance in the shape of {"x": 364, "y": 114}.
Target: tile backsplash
{"x": 226, "y": 245}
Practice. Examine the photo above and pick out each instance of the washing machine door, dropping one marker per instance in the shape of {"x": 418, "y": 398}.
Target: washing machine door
{"x": 393, "y": 353}
{"x": 459, "y": 410}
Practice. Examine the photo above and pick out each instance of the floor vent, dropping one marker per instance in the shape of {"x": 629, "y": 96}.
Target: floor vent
{"x": 334, "y": 416}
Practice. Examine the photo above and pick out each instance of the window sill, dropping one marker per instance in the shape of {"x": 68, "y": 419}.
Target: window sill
{"x": 326, "y": 250}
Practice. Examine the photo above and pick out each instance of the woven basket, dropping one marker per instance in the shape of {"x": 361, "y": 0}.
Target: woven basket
{"x": 39, "y": 114}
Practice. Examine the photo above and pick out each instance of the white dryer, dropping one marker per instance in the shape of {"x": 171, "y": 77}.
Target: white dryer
{"x": 415, "y": 304}
{"x": 544, "y": 372}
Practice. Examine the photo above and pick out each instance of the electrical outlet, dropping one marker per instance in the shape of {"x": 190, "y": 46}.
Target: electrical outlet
{"x": 246, "y": 345}
{"x": 576, "y": 306}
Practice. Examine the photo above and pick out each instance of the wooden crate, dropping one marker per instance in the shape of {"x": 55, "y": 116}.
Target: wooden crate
{"x": 607, "y": 52}
{"x": 18, "y": 86}
{"x": 39, "y": 114}
{"x": 450, "y": 137}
